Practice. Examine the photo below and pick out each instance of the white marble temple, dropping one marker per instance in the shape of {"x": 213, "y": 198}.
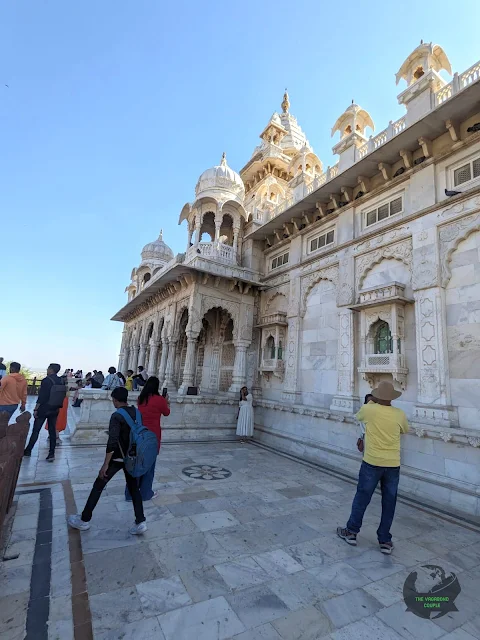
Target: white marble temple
{"x": 309, "y": 285}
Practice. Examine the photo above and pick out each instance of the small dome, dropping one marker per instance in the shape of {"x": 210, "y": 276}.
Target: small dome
{"x": 157, "y": 251}
{"x": 220, "y": 177}
{"x": 353, "y": 119}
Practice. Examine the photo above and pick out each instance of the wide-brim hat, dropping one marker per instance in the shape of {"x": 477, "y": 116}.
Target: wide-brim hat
{"x": 386, "y": 391}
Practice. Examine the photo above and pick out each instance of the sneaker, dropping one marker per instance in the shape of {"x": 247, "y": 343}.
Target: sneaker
{"x": 138, "y": 529}
{"x": 348, "y": 536}
{"x": 50, "y": 457}
{"x": 27, "y": 454}
{"x": 58, "y": 442}
{"x": 155, "y": 495}
{"x": 386, "y": 547}
{"x": 76, "y": 522}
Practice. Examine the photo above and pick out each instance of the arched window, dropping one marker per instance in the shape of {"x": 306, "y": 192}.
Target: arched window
{"x": 383, "y": 338}
{"x": 270, "y": 348}
{"x": 419, "y": 72}
{"x": 146, "y": 278}
{"x": 280, "y": 350}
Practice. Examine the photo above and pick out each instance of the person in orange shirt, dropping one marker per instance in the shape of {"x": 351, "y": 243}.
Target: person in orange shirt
{"x": 13, "y": 390}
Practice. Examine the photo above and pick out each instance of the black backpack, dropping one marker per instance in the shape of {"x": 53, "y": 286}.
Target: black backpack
{"x": 58, "y": 393}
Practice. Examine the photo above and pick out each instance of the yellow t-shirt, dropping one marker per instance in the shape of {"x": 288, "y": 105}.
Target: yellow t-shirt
{"x": 383, "y": 426}
{"x": 129, "y": 383}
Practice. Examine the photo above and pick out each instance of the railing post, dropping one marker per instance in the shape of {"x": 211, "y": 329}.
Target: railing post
{"x": 390, "y": 130}
{"x": 455, "y": 83}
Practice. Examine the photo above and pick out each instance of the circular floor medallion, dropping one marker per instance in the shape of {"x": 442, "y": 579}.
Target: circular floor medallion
{"x": 206, "y": 472}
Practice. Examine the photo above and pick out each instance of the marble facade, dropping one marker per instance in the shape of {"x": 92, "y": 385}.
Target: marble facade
{"x": 311, "y": 286}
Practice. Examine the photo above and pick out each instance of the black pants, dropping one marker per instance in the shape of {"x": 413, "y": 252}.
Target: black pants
{"x": 100, "y": 484}
{"x": 51, "y": 416}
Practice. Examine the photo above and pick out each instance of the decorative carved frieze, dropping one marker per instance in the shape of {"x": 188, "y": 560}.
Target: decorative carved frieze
{"x": 460, "y": 207}
{"x": 382, "y": 239}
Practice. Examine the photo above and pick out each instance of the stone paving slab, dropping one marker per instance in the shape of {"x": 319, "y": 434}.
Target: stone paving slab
{"x": 250, "y": 557}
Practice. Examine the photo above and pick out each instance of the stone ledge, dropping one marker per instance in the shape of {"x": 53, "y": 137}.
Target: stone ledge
{"x": 454, "y": 435}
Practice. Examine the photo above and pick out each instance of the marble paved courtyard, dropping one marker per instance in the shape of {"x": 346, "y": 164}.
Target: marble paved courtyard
{"x": 246, "y": 550}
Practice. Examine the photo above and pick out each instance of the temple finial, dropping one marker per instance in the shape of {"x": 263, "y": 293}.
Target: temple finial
{"x": 285, "y": 102}
{"x": 160, "y": 237}
{"x": 224, "y": 159}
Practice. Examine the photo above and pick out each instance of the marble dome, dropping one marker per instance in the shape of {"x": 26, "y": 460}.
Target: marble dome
{"x": 220, "y": 177}
{"x": 157, "y": 251}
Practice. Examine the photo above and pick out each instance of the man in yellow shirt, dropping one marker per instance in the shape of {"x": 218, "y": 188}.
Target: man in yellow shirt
{"x": 381, "y": 463}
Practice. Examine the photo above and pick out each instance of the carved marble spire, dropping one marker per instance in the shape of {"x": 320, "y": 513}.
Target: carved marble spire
{"x": 285, "y": 102}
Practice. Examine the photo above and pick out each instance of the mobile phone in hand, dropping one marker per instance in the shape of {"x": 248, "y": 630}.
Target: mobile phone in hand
{"x": 164, "y": 392}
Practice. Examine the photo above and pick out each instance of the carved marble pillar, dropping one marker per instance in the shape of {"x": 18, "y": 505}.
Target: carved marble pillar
{"x": 153, "y": 359}
{"x": 290, "y": 392}
{"x": 189, "y": 367}
{"x": 198, "y": 226}
{"x": 433, "y": 396}
{"x": 292, "y": 350}
{"x": 142, "y": 354}
{"x": 214, "y": 367}
{"x": 239, "y": 374}
{"x": 218, "y": 224}
{"x": 344, "y": 399}
{"x": 123, "y": 360}
{"x": 135, "y": 354}
{"x": 121, "y": 357}
{"x": 163, "y": 361}
{"x": 236, "y": 233}
{"x": 170, "y": 368}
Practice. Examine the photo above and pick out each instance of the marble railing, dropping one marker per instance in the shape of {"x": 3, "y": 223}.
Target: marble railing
{"x": 274, "y": 318}
{"x": 215, "y": 250}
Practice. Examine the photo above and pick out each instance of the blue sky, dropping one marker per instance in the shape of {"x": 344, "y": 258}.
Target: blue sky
{"x": 114, "y": 108}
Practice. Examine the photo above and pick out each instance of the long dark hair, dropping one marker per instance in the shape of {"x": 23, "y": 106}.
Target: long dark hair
{"x": 150, "y": 388}
{"x": 241, "y": 392}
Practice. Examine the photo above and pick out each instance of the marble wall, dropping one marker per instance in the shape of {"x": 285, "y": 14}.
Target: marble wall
{"x": 463, "y": 330}
{"x": 319, "y": 346}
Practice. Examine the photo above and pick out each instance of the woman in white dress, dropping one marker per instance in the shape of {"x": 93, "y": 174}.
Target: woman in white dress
{"x": 245, "y": 414}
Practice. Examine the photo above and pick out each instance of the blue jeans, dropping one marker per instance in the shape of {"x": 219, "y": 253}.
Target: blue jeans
{"x": 367, "y": 482}
{"x": 145, "y": 484}
{"x": 9, "y": 408}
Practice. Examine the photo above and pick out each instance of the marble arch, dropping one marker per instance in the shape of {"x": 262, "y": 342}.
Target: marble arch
{"x": 450, "y": 238}
{"x": 331, "y": 274}
{"x": 402, "y": 251}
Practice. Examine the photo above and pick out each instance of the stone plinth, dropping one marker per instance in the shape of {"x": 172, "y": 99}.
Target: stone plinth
{"x": 191, "y": 418}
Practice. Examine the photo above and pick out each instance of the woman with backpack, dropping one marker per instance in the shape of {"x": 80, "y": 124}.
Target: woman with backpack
{"x": 152, "y": 406}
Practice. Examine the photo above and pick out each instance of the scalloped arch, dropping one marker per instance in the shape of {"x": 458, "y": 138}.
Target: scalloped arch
{"x": 399, "y": 253}
{"x": 330, "y": 274}
{"x": 213, "y": 303}
{"x": 270, "y": 300}
{"x": 453, "y": 245}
